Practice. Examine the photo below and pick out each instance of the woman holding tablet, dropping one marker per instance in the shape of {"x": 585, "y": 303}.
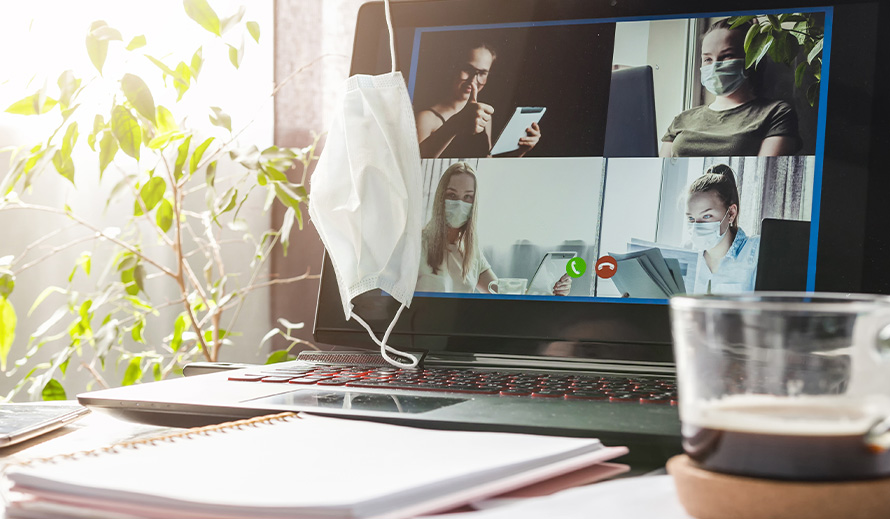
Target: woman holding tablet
{"x": 727, "y": 262}
{"x": 451, "y": 259}
{"x": 738, "y": 122}
{"x": 459, "y": 126}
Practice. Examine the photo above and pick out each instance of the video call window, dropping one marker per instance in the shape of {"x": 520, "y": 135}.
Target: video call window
{"x": 672, "y": 156}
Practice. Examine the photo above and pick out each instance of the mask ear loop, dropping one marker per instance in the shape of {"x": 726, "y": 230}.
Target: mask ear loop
{"x": 392, "y": 36}
{"x": 386, "y": 349}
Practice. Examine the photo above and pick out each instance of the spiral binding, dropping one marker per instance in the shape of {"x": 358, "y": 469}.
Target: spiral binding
{"x": 188, "y": 434}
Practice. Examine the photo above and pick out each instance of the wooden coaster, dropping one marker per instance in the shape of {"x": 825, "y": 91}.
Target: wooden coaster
{"x": 711, "y": 495}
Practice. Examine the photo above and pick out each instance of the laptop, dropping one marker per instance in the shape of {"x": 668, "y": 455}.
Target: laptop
{"x": 560, "y": 54}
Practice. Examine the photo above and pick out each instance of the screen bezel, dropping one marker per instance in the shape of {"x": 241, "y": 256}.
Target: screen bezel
{"x": 851, "y": 234}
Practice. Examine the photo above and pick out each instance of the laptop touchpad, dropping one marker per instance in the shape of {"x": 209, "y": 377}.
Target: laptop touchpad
{"x": 304, "y": 398}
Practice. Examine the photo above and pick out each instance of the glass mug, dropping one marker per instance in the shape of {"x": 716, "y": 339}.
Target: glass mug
{"x": 785, "y": 386}
{"x": 514, "y": 286}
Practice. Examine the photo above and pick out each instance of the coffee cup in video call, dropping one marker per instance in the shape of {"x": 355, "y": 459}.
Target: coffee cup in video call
{"x": 786, "y": 386}
{"x": 511, "y": 286}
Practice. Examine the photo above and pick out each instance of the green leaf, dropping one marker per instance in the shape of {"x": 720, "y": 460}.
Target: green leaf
{"x": 759, "y": 47}
{"x": 53, "y": 390}
{"x": 254, "y": 29}
{"x": 738, "y": 21}
{"x": 236, "y": 54}
{"x": 139, "y": 95}
{"x": 151, "y": 193}
{"x": 210, "y": 174}
{"x": 129, "y": 283}
{"x": 279, "y": 356}
{"x": 43, "y": 295}
{"x": 139, "y": 277}
{"x": 107, "y": 150}
{"x": 7, "y": 283}
{"x": 799, "y": 73}
{"x": 197, "y": 154}
{"x": 156, "y": 372}
{"x": 127, "y": 131}
{"x": 752, "y": 33}
{"x": 64, "y": 165}
{"x": 137, "y": 332}
{"x": 136, "y": 43}
{"x": 68, "y": 84}
{"x": 134, "y": 372}
{"x": 220, "y": 118}
{"x": 182, "y": 155}
{"x": 34, "y": 104}
{"x": 164, "y": 217}
{"x": 289, "y": 217}
{"x": 63, "y": 367}
{"x": 182, "y": 78}
{"x": 197, "y": 62}
{"x": 70, "y": 138}
{"x": 97, "y": 50}
{"x": 247, "y": 157}
{"x": 128, "y": 262}
{"x": 813, "y": 93}
{"x": 231, "y": 21}
{"x": 816, "y": 51}
{"x": 98, "y": 126}
{"x": 226, "y": 202}
{"x": 8, "y": 322}
{"x": 165, "y": 121}
{"x": 178, "y": 327}
{"x": 160, "y": 64}
{"x": 774, "y": 21}
{"x": 201, "y": 12}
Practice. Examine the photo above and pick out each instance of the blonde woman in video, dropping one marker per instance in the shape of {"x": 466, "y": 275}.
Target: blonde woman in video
{"x": 451, "y": 259}
{"x": 459, "y": 125}
{"x": 727, "y": 261}
{"x": 738, "y": 123}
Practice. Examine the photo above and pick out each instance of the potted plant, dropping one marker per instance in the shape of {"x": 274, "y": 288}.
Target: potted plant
{"x": 137, "y": 130}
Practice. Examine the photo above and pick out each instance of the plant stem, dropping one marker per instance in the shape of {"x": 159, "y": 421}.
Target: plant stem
{"x": 99, "y": 233}
{"x": 52, "y": 253}
{"x": 96, "y": 375}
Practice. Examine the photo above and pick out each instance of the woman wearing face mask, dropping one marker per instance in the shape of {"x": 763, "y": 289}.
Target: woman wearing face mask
{"x": 459, "y": 126}
{"x": 450, "y": 258}
{"x": 738, "y": 122}
{"x": 727, "y": 262}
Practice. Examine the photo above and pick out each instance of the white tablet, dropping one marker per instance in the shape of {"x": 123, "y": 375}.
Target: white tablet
{"x": 551, "y": 268}
{"x": 523, "y": 117}
{"x": 19, "y": 422}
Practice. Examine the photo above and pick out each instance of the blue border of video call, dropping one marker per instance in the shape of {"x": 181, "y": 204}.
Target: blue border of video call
{"x": 815, "y": 214}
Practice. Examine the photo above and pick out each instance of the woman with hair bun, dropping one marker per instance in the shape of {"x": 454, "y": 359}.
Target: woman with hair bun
{"x": 727, "y": 262}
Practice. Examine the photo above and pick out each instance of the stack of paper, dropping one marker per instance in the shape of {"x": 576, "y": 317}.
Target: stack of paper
{"x": 647, "y": 274}
{"x": 294, "y": 467}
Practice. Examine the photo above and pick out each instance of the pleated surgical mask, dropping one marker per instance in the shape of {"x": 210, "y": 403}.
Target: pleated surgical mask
{"x": 365, "y": 196}
{"x": 723, "y": 77}
{"x": 457, "y": 212}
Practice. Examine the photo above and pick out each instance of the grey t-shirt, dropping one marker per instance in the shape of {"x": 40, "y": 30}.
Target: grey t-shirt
{"x": 739, "y": 131}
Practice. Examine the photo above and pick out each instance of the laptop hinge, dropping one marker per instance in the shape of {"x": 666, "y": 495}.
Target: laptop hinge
{"x": 361, "y": 358}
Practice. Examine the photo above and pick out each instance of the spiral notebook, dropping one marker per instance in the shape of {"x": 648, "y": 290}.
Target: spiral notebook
{"x": 293, "y": 466}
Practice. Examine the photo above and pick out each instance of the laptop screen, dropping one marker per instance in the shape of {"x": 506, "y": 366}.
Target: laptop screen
{"x": 582, "y": 164}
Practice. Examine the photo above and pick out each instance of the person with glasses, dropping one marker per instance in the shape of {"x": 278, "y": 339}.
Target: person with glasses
{"x": 459, "y": 125}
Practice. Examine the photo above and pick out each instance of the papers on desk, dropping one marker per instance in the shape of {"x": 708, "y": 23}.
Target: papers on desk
{"x": 646, "y": 497}
{"x": 647, "y": 274}
{"x": 296, "y": 467}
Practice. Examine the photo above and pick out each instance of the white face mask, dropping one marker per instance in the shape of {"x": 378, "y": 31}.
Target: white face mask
{"x": 457, "y": 212}
{"x": 365, "y": 196}
{"x": 723, "y": 77}
{"x": 706, "y": 235}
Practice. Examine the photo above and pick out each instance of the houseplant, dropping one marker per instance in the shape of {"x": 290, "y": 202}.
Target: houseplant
{"x": 186, "y": 181}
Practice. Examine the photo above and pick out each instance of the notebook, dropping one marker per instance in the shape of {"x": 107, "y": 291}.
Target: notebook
{"x": 567, "y": 195}
{"x": 246, "y": 470}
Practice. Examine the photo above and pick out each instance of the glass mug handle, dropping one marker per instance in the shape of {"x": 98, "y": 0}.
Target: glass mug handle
{"x": 877, "y": 344}
{"x": 490, "y": 285}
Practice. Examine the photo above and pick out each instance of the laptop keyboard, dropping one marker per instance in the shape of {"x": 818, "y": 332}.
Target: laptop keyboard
{"x": 506, "y": 384}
